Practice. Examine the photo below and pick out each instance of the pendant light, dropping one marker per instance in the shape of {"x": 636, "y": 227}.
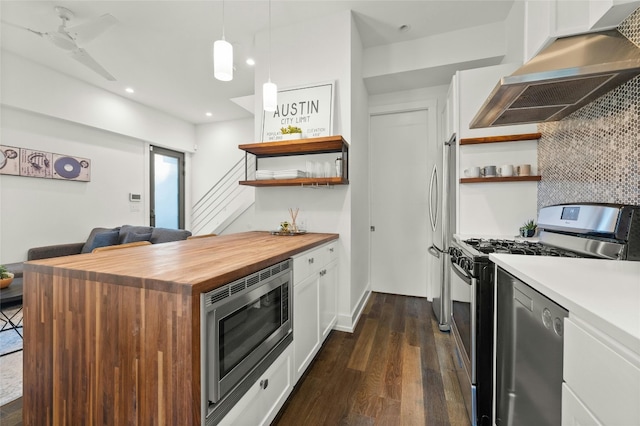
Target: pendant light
{"x": 269, "y": 89}
{"x": 223, "y": 56}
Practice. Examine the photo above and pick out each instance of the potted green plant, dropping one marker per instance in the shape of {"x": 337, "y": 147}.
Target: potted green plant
{"x": 528, "y": 230}
{"x": 5, "y": 277}
{"x": 291, "y": 132}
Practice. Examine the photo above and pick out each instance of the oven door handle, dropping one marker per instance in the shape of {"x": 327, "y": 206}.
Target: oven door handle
{"x": 462, "y": 273}
{"x": 474, "y": 330}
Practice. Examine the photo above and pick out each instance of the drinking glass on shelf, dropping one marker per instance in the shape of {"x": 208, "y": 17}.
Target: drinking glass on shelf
{"x": 327, "y": 169}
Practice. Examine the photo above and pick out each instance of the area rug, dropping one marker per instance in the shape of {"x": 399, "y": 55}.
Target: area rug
{"x": 10, "y": 342}
{"x": 10, "y": 377}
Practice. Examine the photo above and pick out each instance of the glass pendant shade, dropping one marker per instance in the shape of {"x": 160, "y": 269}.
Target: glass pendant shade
{"x": 269, "y": 96}
{"x": 223, "y": 60}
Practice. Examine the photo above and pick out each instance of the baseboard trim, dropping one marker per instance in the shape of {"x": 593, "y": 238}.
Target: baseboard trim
{"x": 348, "y": 323}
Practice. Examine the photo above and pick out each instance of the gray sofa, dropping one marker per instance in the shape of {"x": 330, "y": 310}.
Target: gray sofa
{"x": 101, "y": 237}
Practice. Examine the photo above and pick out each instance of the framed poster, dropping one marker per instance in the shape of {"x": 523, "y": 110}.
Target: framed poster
{"x": 71, "y": 168}
{"x": 35, "y": 163}
{"x": 9, "y": 160}
{"x": 309, "y": 107}
{"x": 42, "y": 164}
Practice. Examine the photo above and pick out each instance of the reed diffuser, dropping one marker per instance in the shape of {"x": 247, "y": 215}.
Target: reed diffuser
{"x": 294, "y": 215}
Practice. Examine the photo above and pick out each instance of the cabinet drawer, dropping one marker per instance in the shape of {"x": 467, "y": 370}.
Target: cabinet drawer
{"x": 308, "y": 263}
{"x": 604, "y": 379}
{"x": 331, "y": 252}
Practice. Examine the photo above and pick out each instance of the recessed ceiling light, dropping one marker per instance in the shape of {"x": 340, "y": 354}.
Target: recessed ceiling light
{"x": 128, "y": 90}
{"x": 251, "y": 62}
{"x": 208, "y": 114}
{"x": 404, "y": 28}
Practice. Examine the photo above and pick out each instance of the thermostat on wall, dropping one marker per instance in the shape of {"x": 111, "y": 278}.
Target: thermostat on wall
{"x": 134, "y": 197}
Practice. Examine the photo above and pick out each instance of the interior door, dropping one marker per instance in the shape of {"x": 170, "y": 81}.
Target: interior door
{"x": 167, "y": 188}
{"x": 401, "y": 169}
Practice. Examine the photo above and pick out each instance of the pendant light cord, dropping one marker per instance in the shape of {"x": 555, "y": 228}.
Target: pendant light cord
{"x": 269, "y": 40}
{"x": 223, "y": 20}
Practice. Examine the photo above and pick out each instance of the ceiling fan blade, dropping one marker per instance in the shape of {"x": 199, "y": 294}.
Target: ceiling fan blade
{"x": 20, "y": 27}
{"x": 85, "y": 59}
{"x": 84, "y": 33}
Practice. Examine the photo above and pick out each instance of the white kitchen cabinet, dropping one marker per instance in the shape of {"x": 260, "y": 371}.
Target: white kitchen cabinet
{"x": 263, "y": 400}
{"x": 306, "y": 323}
{"x": 574, "y": 412}
{"x": 603, "y": 375}
{"x": 544, "y": 21}
{"x": 328, "y": 298}
{"x": 315, "y": 288}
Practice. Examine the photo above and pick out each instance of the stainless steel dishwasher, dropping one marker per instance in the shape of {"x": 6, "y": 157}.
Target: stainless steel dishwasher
{"x": 529, "y": 346}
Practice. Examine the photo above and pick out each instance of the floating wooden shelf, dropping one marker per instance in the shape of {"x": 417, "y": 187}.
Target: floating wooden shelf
{"x": 505, "y": 138}
{"x": 501, "y": 179}
{"x": 321, "y": 145}
{"x": 320, "y": 182}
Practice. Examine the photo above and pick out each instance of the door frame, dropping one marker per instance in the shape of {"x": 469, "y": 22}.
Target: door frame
{"x": 153, "y": 149}
{"x": 431, "y": 107}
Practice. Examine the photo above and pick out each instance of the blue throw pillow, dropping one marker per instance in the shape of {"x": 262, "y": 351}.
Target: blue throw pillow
{"x": 103, "y": 239}
{"x": 132, "y": 237}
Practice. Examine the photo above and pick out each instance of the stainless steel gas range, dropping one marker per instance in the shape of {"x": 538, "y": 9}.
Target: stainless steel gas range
{"x": 600, "y": 231}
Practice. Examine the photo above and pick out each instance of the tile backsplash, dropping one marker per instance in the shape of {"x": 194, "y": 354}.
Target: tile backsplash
{"x": 594, "y": 154}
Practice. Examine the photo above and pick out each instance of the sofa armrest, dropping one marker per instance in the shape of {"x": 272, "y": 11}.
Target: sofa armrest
{"x": 58, "y": 250}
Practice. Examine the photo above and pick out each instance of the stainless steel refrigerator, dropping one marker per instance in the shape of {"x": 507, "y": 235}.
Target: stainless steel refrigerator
{"x": 442, "y": 213}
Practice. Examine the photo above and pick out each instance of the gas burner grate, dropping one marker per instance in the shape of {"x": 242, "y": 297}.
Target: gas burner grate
{"x": 527, "y": 248}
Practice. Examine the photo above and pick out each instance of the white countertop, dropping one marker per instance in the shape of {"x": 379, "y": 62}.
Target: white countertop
{"x": 603, "y": 293}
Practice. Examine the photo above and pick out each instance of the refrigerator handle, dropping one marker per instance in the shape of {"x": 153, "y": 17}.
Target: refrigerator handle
{"x": 433, "y": 216}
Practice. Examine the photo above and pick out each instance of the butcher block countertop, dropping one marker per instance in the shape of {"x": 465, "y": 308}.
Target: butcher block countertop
{"x": 189, "y": 266}
{"x": 114, "y": 337}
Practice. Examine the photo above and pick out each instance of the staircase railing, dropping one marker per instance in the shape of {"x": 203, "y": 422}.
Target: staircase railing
{"x": 223, "y": 202}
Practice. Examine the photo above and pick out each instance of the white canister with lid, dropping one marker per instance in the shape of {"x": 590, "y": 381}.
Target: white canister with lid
{"x": 339, "y": 167}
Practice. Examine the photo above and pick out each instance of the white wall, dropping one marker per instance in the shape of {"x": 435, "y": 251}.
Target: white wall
{"x": 440, "y": 50}
{"x": 320, "y": 56}
{"x": 359, "y": 178}
{"x": 514, "y": 34}
{"x": 492, "y": 209}
{"x": 217, "y": 150}
{"x": 32, "y": 87}
{"x": 44, "y": 109}
{"x": 38, "y": 212}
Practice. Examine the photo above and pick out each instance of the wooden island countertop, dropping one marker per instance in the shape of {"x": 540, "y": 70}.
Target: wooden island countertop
{"x": 114, "y": 337}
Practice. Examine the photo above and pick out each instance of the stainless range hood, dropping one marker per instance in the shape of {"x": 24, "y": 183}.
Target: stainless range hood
{"x": 562, "y": 78}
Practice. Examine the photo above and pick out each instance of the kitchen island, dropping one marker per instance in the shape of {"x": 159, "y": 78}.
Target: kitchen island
{"x": 114, "y": 337}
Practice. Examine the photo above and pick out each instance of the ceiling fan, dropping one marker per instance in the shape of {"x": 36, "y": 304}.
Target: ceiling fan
{"x": 72, "y": 38}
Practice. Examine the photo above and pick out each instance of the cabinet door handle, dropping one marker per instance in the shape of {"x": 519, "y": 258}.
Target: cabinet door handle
{"x": 264, "y": 383}
{"x": 310, "y": 260}
{"x": 331, "y": 250}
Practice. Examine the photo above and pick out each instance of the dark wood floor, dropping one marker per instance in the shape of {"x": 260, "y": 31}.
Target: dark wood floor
{"x": 395, "y": 369}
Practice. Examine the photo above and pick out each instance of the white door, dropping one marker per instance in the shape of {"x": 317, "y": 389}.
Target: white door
{"x": 400, "y": 172}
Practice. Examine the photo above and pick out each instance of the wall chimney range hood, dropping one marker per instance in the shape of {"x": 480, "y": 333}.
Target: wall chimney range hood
{"x": 562, "y": 78}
